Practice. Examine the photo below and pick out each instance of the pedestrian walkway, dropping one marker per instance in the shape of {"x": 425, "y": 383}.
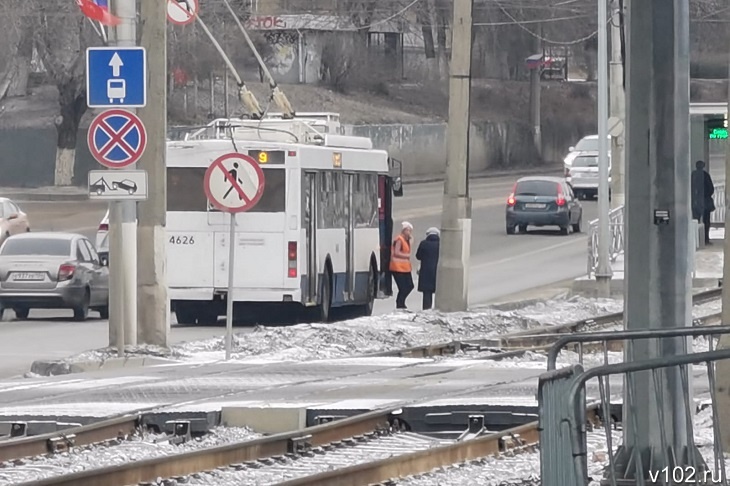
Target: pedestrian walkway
{"x": 707, "y": 270}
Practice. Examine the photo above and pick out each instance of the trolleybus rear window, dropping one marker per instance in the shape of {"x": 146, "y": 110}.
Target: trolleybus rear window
{"x": 185, "y": 190}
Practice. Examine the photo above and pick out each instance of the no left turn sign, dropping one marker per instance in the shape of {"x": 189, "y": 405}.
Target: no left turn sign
{"x": 234, "y": 183}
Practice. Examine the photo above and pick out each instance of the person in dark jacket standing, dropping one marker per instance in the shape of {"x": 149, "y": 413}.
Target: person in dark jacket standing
{"x": 702, "y": 203}
{"x": 428, "y": 255}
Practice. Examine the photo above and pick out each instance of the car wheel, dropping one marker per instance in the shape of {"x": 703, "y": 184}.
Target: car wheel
{"x": 104, "y": 312}
{"x": 576, "y": 226}
{"x": 523, "y": 228}
{"x": 81, "y": 313}
{"x": 510, "y": 229}
{"x": 21, "y": 312}
{"x": 565, "y": 230}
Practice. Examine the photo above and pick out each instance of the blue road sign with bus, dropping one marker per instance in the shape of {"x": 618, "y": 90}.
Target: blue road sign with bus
{"x": 116, "y": 77}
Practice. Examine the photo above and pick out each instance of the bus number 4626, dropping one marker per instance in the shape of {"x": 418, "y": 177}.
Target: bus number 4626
{"x": 182, "y": 240}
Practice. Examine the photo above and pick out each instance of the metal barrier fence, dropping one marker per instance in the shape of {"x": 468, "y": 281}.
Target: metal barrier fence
{"x": 718, "y": 215}
{"x": 616, "y": 227}
{"x": 560, "y": 421}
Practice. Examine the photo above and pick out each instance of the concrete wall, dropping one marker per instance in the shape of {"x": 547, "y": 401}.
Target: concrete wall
{"x": 422, "y": 148}
{"x": 28, "y": 157}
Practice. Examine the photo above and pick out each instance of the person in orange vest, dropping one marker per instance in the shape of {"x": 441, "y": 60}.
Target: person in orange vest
{"x": 400, "y": 264}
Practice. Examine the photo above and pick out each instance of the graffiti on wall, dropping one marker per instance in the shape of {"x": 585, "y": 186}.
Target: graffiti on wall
{"x": 266, "y": 22}
{"x": 283, "y": 52}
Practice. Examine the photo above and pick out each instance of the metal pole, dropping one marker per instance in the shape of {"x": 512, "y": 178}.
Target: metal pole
{"x": 603, "y": 272}
{"x": 723, "y": 367}
{"x": 618, "y": 110}
{"x": 452, "y": 282}
{"x": 229, "y": 296}
{"x": 116, "y": 279}
{"x": 535, "y": 109}
{"x": 126, "y": 36}
{"x": 658, "y": 285}
{"x": 154, "y": 306}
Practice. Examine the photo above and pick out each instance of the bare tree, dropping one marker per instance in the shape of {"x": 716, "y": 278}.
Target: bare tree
{"x": 17, "y": 35}
{"x": 61, "y": 35}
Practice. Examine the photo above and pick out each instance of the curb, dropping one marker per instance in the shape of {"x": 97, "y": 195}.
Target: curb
{"x": 545, "y": 170}
{"x": 61, "y": 367}
{"x": 20, "y": 196}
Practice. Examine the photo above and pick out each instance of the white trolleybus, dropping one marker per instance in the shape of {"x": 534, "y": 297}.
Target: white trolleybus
{"x": 319, "y": 237}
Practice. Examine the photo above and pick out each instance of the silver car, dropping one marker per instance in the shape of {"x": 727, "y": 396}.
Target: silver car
{"x": 53, "y": 271}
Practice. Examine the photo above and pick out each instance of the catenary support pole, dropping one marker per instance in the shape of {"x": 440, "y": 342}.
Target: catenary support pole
{"x": 658, "y": 285}
{"x": 723, "y": 367}
{"x": 535, "y": 109}
{"x": 116, "y": 279}
{"x": 231, "y": 275}
{"x": 618, "y": 109}
{"x": 603, "y": 272}
{"x": 126, "y": 36}
{"x": 452, "y": 282}
{"x": 154, "y": 306}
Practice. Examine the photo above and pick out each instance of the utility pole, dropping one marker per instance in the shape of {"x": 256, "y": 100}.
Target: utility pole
{"x": 603, "y": 272}
{"x": 154, "y": 306}
{"x": 123, "y": 221}
{"x": 722, "y": 375}
{"x": 535, "y": 92}
{"x": 452, "y": 292}
{"x": 618, "y": 109}
{"x": 659, "y": 284}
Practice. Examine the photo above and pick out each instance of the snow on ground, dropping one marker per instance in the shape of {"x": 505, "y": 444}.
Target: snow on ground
{"x": 375, "y": 334}
{"x": 139, "y": 447}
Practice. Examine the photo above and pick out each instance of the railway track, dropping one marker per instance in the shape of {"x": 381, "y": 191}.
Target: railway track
{"x": 370, "y": 448}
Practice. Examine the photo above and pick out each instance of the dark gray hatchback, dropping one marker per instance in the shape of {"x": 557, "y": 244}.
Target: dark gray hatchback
{"x": 543, "y": 201}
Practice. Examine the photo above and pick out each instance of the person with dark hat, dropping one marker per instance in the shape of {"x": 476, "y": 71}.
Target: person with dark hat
{"x": 428, "y": 255}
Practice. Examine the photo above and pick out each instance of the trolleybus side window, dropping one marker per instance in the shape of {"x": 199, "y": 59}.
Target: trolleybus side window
{"x": 365, "y": 200}
{"x": 185, "y": 190}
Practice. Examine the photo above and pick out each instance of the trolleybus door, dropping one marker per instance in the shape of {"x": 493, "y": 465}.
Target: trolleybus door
{"x": 349, "y": 180}
{"x": 310, "y": 223}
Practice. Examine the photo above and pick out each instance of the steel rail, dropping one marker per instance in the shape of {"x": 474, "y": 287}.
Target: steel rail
{"x": 211, "y": 458}
{"x": 62, "y": 440}
{"x": 421, "y": 462}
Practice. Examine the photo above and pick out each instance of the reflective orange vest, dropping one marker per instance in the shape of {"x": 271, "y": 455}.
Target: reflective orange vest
{"x": 397, "y": 264}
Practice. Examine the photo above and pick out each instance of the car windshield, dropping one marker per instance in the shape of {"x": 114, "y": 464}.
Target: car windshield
{"x": 536, "y": 188}
{"x": 36, "y": 246}
{"x": 587, "y": 145}
{"x": 585, "y": 162}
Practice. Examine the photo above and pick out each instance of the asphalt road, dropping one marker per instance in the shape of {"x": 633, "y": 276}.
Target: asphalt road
{"x": 501, "y": 265}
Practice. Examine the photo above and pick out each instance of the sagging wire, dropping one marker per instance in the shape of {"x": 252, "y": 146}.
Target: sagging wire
{"x": 277, "y": 95}
{"x": 246, "y": 97}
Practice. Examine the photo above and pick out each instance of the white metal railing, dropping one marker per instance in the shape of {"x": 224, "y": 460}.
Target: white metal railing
{"x": 718, "y": 215}
{"x": 616, "y": 227}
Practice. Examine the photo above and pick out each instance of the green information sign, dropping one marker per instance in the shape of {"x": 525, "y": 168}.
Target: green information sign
{"x": 718, "y": 134}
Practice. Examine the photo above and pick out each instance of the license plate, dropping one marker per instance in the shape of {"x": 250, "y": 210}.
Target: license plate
{"x": 28, "y": 276}
{"x": 535, "y": 205}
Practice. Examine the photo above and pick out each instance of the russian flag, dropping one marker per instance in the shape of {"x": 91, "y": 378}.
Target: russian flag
{"x": 98, "y": 10}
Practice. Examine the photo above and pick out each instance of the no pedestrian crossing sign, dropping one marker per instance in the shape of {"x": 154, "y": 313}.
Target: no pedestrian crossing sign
{"x": 234, "y": 183}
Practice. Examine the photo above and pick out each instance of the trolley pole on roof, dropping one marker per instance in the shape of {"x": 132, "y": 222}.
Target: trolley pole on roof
{"x": 452, "y": 282}
{"x": 154, "y": 306}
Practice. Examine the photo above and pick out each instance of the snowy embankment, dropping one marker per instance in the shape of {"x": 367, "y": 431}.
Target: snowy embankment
{"x": 375, "y": 334}
{"x": 372, "y": 334}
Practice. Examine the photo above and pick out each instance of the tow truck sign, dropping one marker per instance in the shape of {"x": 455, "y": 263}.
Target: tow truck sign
{"x": 118, "y": 185}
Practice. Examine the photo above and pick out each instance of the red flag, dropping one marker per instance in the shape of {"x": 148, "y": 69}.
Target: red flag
{"x": 95, "y": 12}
